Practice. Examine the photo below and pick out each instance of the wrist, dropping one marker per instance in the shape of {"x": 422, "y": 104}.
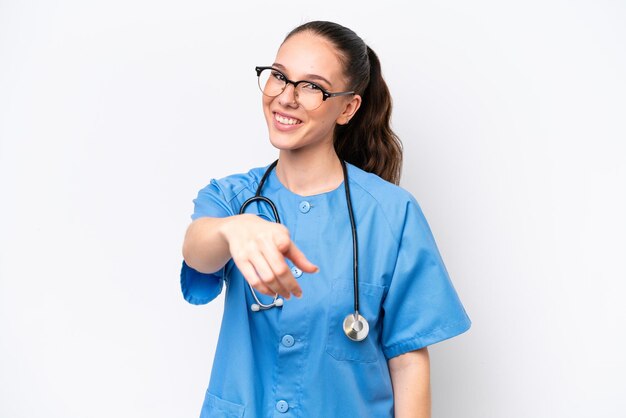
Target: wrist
{"x": 228, "y": 226}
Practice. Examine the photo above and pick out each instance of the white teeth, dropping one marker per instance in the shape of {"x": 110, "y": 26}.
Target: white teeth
{"x": 285, "y": 121}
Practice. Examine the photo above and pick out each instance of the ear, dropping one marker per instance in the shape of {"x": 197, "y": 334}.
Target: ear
{"x": 349, "y": 110}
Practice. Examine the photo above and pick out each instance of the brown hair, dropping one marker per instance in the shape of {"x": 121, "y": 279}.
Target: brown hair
{"x": 367, "y": 141}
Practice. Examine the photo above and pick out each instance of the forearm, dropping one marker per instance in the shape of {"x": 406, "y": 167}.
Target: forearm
{"x": 410, "y": 376}
{"x": 205, "y": 247}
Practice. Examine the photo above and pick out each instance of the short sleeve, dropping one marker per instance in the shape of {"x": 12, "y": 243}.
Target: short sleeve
{"x": 421, "y": 306}
{"x": 200, "y": 288}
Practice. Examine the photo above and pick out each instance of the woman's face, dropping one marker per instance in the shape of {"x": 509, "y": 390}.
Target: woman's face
{"x": 306, "y": 56}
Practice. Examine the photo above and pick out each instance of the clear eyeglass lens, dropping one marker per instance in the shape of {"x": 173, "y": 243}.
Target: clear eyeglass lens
{"x": 272, "y": 83}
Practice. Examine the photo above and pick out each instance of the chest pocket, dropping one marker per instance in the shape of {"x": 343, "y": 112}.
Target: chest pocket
{"x": 217, "y": 407}
{"x": 338, "y": 345}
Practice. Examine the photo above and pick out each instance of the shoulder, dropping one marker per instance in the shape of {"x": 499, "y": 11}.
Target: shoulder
{"x": 233, "y": 185}
{"x": 378, "y": 188}
{"x": 392, "y": 201}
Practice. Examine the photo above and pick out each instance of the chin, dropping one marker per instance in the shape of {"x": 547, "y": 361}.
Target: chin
{"x": 283, "y": 144}
{"x": 285, "y": 140}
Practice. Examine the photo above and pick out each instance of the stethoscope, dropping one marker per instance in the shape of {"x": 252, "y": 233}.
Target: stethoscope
{"x": 354, "y": 325}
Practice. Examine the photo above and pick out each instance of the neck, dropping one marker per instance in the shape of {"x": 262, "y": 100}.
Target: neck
{"x": 306, "y": 174}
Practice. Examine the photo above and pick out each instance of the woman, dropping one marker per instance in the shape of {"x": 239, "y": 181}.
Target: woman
{"x": 312, "y": 355}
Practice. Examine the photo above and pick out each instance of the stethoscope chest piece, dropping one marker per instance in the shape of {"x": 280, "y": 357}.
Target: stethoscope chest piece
{"x": 355, "y": 327}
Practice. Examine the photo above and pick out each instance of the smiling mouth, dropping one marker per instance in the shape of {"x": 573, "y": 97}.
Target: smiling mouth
{"x": 285, "y": 120}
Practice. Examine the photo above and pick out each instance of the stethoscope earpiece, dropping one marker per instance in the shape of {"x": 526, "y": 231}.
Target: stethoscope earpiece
{"x": 354, "y": 325}
{"x": 258, "y": 306}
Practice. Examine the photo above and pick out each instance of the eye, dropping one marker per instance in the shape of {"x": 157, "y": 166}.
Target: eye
{"x": 312, "y": 87}
{"x": 278, "y": 75}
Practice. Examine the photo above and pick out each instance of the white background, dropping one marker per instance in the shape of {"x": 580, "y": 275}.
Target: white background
{"x": 114, "y": 113}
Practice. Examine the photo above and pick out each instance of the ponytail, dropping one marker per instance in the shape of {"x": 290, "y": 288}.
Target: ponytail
{"x": 367, "y": 141}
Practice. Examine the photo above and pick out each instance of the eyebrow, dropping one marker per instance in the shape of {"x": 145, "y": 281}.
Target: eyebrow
{"x": 309, "y": 77}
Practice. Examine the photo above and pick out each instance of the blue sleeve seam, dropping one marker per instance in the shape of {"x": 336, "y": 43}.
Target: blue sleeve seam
{"x": 383, "y": 212}
{"x": 235, "y": 193}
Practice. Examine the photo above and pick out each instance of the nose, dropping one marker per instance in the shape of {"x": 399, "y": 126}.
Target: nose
{"x": 288, "y": 97}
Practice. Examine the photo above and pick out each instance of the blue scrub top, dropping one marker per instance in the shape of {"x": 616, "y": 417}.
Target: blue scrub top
{"x": 296, "y": 361}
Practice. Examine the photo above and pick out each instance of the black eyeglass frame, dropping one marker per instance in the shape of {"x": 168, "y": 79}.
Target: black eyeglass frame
{"x": 325, "y": 93}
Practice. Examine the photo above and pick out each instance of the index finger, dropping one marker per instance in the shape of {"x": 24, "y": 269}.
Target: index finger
{"x": 281, "y": 270}
{"x": 299, "y": 259}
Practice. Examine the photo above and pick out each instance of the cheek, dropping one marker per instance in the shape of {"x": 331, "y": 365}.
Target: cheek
{"x": 328, "y": 118}
{"x": 266, "y": 101}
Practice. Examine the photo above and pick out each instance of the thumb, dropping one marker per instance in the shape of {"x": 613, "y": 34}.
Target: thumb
{"x": 299, "y": 259}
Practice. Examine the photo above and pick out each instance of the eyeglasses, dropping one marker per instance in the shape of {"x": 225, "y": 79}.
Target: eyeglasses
{"x": 309, "y": 95}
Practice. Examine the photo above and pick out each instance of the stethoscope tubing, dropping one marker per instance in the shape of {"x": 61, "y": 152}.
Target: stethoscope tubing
{"x": 355, "y": 326}
{"x": 355, "y": 242}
